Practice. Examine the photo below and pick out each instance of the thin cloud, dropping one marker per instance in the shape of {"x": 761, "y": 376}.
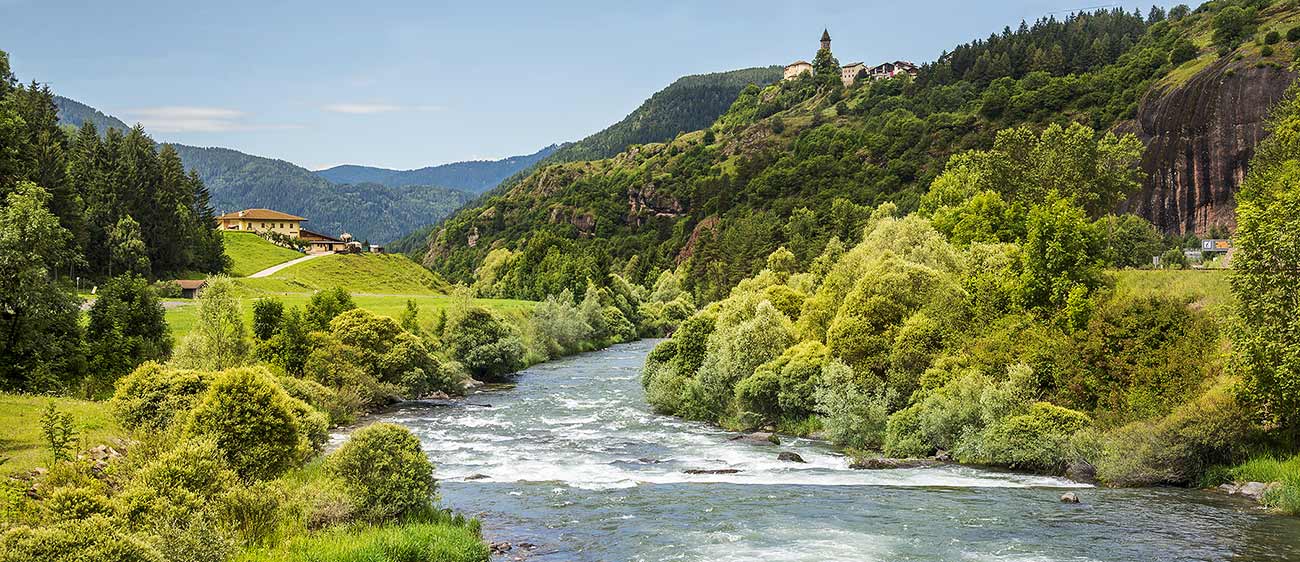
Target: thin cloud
{"x": 192, "y": 119}
{"x": 374, "y": 108}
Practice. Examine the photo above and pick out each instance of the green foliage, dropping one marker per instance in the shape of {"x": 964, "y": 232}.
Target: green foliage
{"x": 41, "y": 335}
{"x": 219, "y": 340}
{"x": 1183, "y": 51}
{"x": 1293, "y": 34}
{"x": 1285, "y": 471}
{"x": 384, "y": 352}
{"x": 95, "y": 538}
{"x": 127, "y": 253}
{"x": 854, "y": 416}
{"x": 179, "y": 482}
{"x": 557, "y": 326}
{"x": 1057, "y": 257}
{"x": 325, "y": 305}
{"x": 485, "y": 344}
{"x": 1176, "y": 449}
{"x": 153, "y": 397}
{"x": 1266, "y": 258}
{"x": 59, "y": 433}
{"x": 1038, "y": 439}
{"x": 127, "y": 327}
{"x": 289, "y": 346}
{"x": 447, "y": 540}
{"x": 1233, "y": 24}
{"x": 268, "y": 313}
{"x": 254, "y": 423}
{"x": 384, "y": 470}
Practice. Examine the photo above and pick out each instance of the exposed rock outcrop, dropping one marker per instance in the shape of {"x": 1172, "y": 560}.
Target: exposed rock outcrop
{"x": 1200, "y": 136}
{"x": 647, "y": 201}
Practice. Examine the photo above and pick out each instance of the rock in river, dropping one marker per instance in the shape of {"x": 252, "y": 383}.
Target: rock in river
{"x": 885, "y": 464}
{"x": 1069, "y": 497}
{"x": 758, "y": 438}
{"x": 790, "y": 457}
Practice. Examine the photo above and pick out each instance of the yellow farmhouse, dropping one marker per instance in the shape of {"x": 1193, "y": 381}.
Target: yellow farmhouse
{"x": 262, "y": 220}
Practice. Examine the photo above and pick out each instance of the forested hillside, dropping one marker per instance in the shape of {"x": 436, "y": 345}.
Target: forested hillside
{"x": 474, "y": 176}
{"x": 799, "y": 162}
{"x": 688, "y": 104}
{"x": 369, "y": 211}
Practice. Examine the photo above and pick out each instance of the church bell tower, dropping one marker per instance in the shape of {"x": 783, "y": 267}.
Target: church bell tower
{"x": 826, "y": 39}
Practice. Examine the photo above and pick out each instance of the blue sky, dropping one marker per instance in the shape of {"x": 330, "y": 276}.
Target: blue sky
{"x": 407, "y": 84}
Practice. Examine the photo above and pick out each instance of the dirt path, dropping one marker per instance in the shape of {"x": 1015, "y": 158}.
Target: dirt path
{"x": 275, "y": 268}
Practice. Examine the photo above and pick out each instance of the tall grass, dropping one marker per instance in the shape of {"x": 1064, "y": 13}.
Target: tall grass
{"x": 439, "y": 539}
{"x": 1271, "y": 469}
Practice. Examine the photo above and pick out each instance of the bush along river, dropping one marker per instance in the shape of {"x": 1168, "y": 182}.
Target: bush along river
{"x": 571, "y": 465}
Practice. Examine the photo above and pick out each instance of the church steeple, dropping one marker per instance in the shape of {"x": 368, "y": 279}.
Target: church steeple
{"x": 826, "y": 39}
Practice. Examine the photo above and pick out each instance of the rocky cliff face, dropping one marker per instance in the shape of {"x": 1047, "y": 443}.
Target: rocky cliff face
{"x": 1200, "y": 136}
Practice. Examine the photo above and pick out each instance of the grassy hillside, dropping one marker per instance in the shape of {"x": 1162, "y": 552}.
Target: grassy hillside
{"x": 379, "y": 283}
{"x": 22, "y": 442}
{"x": 250, "y": 253}
{"x": 799, "y": 162}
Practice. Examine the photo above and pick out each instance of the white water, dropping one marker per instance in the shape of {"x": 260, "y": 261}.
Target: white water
{"x": 573, "y": 460}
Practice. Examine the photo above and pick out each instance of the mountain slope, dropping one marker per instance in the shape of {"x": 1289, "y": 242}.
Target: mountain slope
{"x": 370, "y": 211}
{"x": 690, "y": 103}
{"x": 797, "y": 163}
{"x": 474, "y": 176}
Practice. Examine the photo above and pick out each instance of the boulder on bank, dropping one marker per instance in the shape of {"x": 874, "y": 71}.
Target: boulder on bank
{"x": 1081, "y": 471}
{"x": 888, "y": 464}
{"x": 1252, "y": 490}
{"x": 758, "y": 438}
{"x": 788, "y": 456}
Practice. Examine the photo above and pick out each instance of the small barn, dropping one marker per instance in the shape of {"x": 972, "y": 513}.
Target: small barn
{"x": 191, "y": 288}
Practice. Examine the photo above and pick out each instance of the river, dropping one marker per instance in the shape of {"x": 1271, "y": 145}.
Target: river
{"x": 573, "y": 461}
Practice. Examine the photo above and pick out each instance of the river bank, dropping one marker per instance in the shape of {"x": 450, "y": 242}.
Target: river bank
{"x": 573, "y": 462}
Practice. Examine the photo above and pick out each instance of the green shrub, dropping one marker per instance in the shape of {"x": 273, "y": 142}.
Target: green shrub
{"x": 197, "y": 538}
{"x": 486, "y": 345}
{"x": 558, "y": 327}
{"x": 758, "y": 393}
{"x": 340, "y": 406}
{"x": 1272, "y": 37}
{"x": 1037, "y": 440}
{"x": 256, "y": 513}
{"x": 325, "y": 305}
{"x": 383, "y": 469}
{"x": 219, "y": 339}
{"x": 75, "y": 503}
{"x": 268, "y": 313}
{"x": 1293, "y": 34}
{"x": 904, "y": 436}
{"x": 1178, "y": 448}
{"x": 1266, "y": 51}
{"x": 153, "y": 396}
{"x": 255, "y": 424}
{"x": 94, "y": 538}
{"x": 180, "y": 482}
{"x": 1183, "y": 51}
{"x": 852, "y": 417}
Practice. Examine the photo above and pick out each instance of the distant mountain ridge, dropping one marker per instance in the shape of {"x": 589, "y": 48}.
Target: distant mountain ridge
{"x": 474, "y": 176}
{"x": 369, "y": 211}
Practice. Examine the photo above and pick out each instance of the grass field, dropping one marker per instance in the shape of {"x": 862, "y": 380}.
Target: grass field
{"x": 378, "y": 283}
{"x": 250, "y": 253}
{"x": 21, "y": 441}
{"x": 1207, "y": 288}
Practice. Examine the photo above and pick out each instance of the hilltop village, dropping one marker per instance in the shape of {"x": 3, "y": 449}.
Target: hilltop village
{"x": 850, "y": 72}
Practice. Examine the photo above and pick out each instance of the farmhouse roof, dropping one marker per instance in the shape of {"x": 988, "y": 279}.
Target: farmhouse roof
{"x": 191, "y": 283}
{"x": 261, "y": 214}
